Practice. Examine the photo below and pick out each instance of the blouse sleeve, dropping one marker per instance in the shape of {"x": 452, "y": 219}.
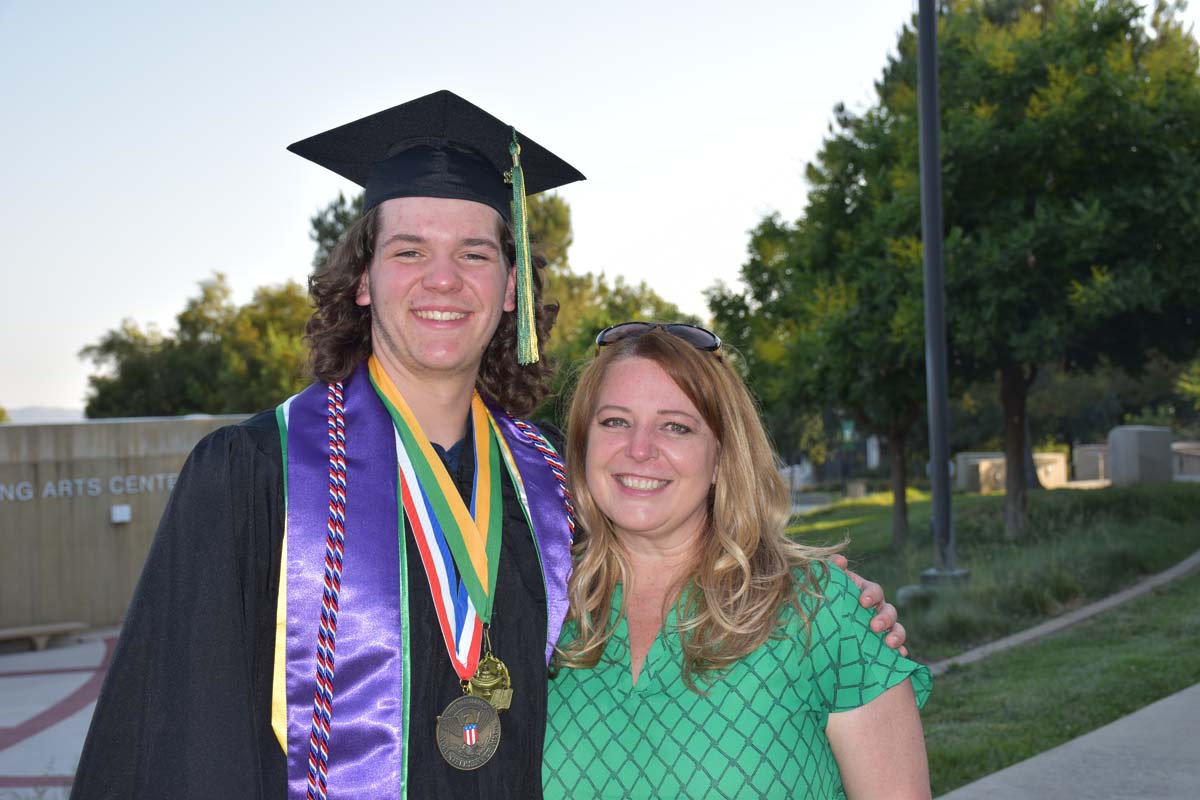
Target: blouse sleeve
{"x": 851, "y": 664}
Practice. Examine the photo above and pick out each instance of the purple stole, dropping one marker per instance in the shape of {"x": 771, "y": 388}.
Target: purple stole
{"x": 367, "y": 736}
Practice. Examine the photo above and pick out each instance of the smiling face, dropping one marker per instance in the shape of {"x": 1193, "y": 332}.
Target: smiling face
{"x": 651, "y": 458}
{"x": 437, "y": 286}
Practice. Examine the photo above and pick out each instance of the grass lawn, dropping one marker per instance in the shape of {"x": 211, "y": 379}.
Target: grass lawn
{"x": 1079, "y": 546}
{"x": 989, "y": 715}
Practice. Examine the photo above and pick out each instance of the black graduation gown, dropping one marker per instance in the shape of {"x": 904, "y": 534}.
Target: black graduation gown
{"x": 185, "y": 711}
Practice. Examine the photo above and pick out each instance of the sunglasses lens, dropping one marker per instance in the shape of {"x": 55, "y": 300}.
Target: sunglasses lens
{"x": 616, "y": 333}
{"x": 696, "y": 336}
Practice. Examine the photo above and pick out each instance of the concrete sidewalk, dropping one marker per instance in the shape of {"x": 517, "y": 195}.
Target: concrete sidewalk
{"x": 46, "y": 703}
{"x": 1152, "y": 754}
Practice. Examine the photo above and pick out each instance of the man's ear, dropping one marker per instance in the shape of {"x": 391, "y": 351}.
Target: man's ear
{"x": 510, "y": 290}
{"x": 363, "y": 297}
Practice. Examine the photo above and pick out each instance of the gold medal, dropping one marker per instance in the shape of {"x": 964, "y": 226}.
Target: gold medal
{"x": 491, "y": 682}
{"x": 468, "y": 732}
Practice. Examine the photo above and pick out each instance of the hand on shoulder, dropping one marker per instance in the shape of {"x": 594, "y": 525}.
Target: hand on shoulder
{"x": 886, "y": 618}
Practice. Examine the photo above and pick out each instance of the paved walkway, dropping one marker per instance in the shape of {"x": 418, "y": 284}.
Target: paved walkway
{"x": 1152, "y": 754}
{"x": 46, "y": 704}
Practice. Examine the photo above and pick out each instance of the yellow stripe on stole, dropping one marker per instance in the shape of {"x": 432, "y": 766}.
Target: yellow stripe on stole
{"x": 279, "y": 675}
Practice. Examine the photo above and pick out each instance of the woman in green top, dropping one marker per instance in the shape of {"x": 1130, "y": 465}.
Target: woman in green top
{"x": 706, "y": 654}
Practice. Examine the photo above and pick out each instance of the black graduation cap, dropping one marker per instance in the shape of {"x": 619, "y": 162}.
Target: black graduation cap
{"x": 438, "y": 145}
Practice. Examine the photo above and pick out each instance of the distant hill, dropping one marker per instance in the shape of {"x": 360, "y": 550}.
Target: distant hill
{"x": 38, "y": 414}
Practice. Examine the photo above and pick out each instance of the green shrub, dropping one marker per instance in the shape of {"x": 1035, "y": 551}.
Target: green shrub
{"x": 1078, "y": 546}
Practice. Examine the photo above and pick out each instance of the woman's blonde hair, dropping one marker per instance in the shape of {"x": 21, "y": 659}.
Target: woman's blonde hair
{"x": 747, "y": 569}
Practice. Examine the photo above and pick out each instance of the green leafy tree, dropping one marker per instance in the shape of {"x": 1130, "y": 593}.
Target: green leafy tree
{"x": 1188, "y": 384}
{"x": 265, "y": 358}
{"x": 1071, "y": 182}
{"x": 146, "y": 373}
{"x": 832, "y": 321}
{"x": 587, "y": 301}
{"x": 1077, "y": 407}
{"x": 4, "y": 414}
{"x": 832, "y": 311}
{"x": 327, "y": 225}
{"x": 757, "y": 322}
{"x": 1071, "y": 177}
{"x": 220, "y": 359}
{"x": 550, "y": 230}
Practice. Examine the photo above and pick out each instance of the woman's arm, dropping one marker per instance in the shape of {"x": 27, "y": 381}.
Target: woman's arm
{"x": 880, "y": 748}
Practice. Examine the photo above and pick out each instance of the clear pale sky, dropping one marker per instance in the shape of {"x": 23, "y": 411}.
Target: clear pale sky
{"x": 144, "y": 143}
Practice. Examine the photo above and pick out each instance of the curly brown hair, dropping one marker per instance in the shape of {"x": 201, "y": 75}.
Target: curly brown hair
{"x": 339, "y": 331}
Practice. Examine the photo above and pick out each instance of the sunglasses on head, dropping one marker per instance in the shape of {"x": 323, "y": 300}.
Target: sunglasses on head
{"x": 697, "y": 337}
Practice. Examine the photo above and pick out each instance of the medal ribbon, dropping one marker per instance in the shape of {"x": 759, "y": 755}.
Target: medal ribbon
{"x": 459, "y": 546}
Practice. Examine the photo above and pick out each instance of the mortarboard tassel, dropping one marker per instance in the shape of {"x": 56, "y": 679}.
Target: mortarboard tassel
{"x": 527, "y": 343}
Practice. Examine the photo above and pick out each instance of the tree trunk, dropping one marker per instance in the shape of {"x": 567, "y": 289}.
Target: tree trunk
{"x": 1032, "y": 481}
{"x": 897, "y": 447}
{"x": 1016, "y": 499}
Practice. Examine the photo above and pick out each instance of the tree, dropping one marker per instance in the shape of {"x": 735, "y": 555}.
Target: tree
{"x": 550, "y": 230}
{"x": 587, "y": 302}
{"x": 4, "y": 414}
{"x": 1075, "y": 407}
{"x": 1188, "y": 384}
{"x": 1071, "y": 183}
{"x": 1071, "y": 179}
{"x": 145, "y": 373}
{"x": 834, "y": 320}
{"x": 327, "y": 225}
{"x": 221, "y": 358}
{"x": 265, "y": 358}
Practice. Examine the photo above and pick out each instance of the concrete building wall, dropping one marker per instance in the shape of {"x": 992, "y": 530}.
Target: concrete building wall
{"x": 79, "y": 504}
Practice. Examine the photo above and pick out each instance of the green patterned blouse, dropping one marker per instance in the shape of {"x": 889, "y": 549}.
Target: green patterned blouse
{"x": 758, "y": 732}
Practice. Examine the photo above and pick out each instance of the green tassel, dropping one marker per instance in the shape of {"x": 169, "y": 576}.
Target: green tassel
{"x": 527, "y": 342}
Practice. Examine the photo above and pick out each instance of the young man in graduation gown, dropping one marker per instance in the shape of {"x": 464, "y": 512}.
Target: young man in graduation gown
{"x": 355, "y": 595}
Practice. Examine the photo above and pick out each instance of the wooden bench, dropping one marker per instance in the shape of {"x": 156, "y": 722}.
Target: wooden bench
{"x": 40, "y": 635}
